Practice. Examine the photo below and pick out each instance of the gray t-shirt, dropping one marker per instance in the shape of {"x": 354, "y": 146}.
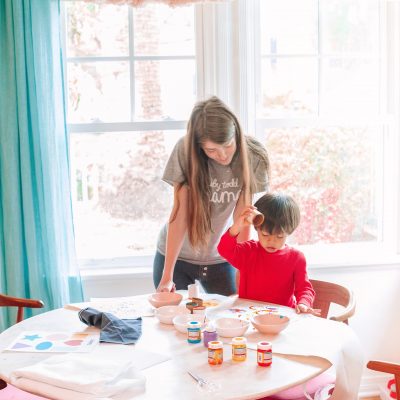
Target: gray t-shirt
{"x": 226, "y": 184}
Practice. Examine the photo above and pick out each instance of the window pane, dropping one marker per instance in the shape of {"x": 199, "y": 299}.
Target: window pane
{"x": 289, "y": 26}
{"x": 165, "y": 89}
{"x": 350, "y": 26}
{"x": 98, "y": 92}
{"x": 332, "y": 173}
{"x": 350, "y": 86}
{"x": 96, "y": 30}
{"x": 163, "y": 30}
{"x": 119, "y": 200}
{"x": 289, "y": 86}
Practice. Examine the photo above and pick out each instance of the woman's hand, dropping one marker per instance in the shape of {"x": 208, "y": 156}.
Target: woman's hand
{"x": 167, "y": 286}
{"x": 304, "y": 309}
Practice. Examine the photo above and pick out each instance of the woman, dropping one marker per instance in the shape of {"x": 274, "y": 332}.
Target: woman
{"x": 215, "y": 170}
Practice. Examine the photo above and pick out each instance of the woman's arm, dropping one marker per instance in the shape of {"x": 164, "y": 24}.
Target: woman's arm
{"x": 175, "y": 235}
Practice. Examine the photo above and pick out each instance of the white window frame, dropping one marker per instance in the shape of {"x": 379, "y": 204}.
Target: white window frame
{"x": 225, "y": 52}
{"x": 140, "y": 264}
{"x": 387, "y": 250}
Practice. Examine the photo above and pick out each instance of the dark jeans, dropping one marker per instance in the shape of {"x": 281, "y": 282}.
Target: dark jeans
{"x": 215, "y": 278}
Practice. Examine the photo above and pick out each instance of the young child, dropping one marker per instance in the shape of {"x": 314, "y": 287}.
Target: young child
{"x": 270, "y": 270}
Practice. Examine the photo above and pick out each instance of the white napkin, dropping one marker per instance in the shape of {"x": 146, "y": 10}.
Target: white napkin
{"x": 81, "y": 377}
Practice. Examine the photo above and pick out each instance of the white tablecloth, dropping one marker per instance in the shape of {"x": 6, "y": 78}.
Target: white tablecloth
{"x": 307, "y": 335}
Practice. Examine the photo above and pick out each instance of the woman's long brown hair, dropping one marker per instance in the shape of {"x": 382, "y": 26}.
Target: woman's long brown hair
{"x": 212, "y": 120}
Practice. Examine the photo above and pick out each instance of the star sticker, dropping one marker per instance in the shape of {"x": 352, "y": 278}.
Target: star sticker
{"x": 31, "y": 337}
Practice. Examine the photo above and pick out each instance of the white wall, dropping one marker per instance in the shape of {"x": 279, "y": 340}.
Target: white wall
{"x": 376, "y": 321}
{"x": 377, "y": 318}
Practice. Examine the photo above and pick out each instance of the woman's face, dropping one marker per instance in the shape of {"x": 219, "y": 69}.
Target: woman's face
{"x": 221, "y": 153}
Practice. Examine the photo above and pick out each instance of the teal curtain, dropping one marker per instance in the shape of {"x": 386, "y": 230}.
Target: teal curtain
{"x": 36, "y": 232}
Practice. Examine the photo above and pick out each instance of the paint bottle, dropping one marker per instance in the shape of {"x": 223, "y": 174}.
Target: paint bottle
{"x": 209, "y": 335}
{"x": 264, "y": 354}
{"x": 215, "y": 352}
{"x": 193, "y": 332}
{"x": 239, "y": 348}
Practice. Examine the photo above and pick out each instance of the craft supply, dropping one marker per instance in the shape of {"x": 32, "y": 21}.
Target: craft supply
{"x": 209, "y": 335}
{"x": 193, "y": 291}
{"x": 191, "y": 305}
{"x": 198, "y": 301}
{"x": 215, "y": 352}
{"x": 256, "y": 218}
{"x": 194, "y": 332}
{"x": 264, "y": 354}
{"x": 239, "y": 348}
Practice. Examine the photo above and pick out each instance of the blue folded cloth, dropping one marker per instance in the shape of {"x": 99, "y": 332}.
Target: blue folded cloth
{"x": 112, "y": 329}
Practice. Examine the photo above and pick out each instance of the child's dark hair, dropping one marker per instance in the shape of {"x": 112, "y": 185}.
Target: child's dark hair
{"x": 281, "y": 213}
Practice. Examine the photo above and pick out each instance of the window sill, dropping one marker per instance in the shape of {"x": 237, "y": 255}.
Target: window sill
{"x": 347, "y": 256}
{"x": 111, "y": 273}
{"x": 334, "y": 257}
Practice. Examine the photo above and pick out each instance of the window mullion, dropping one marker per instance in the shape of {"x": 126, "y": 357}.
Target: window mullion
{"x": 199, "y": 35}
{"x": 391, "y": 100}
{"x": 131, "y": 63}
{"x": 245, "y": 75}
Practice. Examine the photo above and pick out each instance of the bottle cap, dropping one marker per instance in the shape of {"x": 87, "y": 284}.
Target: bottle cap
{"x": 210, "y": 328}
{"x": 239, "y": 340}
{"x": 264, "y": 346}
{"x": 215, "y": 344}
{"x": 193, "y": 324}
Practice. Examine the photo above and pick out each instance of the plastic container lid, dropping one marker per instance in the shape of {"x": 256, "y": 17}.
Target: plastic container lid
{"x": 210, "y": 328}
{"x": 215, "y": 344}
{"x": 193, "y": 324}
{"x": 239, "y": 340}
{"x": 264, "y": 346}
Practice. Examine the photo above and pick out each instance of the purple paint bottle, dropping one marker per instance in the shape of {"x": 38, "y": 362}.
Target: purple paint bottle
{"x": 209, "y": 335}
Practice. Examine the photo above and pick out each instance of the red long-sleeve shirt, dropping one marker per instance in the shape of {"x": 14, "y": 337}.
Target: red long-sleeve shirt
{"x": 279, "y": 277}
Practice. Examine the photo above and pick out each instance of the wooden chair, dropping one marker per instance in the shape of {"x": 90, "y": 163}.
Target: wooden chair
{"x": 389, "y": 368}
{"x": 10, "y": 391}
{"x": 21, "y": 303}
{"x": 327, "y": 293}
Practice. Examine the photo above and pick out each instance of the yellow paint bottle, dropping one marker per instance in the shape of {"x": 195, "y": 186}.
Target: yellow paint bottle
{"x": 239, "y": 348}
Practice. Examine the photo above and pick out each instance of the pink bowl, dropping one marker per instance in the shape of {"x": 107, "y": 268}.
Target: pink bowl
{"x": 270, "y": 323}
{"x": 164, "y": 299}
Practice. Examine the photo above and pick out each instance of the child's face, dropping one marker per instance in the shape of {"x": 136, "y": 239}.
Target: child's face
{"x": 271, "y": 242}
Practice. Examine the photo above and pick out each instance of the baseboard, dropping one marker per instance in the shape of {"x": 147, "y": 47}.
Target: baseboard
{"x": 374, "y": 386}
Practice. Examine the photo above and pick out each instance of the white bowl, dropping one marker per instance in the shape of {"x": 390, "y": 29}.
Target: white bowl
{"x": 165, "y": 314}
{"x": 270, "y": 323}
{"x": 231, "y": 327}
{"x": 180, "y": 321}
{"x": 165, "y": 299}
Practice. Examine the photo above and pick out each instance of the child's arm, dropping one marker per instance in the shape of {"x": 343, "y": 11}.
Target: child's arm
{"x": 304, "y": 291}
{"x": 228, "y": 247}
{"x": 242, "y": 221}
{"x": 305, "y": 309}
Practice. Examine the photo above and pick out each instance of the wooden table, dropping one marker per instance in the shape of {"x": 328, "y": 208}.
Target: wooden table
{"x": 169, "y": 379}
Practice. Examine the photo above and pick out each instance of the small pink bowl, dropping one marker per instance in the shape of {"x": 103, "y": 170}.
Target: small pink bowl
{"x": 165, "y": 299}
{"x": 270, "y": 323}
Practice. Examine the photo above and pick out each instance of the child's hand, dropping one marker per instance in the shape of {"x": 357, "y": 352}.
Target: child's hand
{"x": 303, "y": 309}
{"x": 243, "y": 220}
